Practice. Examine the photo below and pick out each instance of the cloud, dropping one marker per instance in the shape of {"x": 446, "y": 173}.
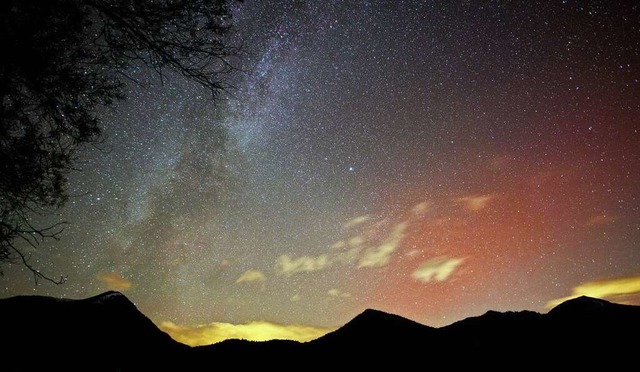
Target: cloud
{"x": 338, "y": 245}
{"x": 604, "y": 289}
{"x": 381, "y": 255}
{"x": 356, "y": 241}
{"x": 334, "y": 292}
{"x": 347, "y": 256}
{"x": 437, "y": 269}
{"x": 208, "y": 334}
{"x": 251, "y": 276}
{"x": 114, "y": 281}
{"x": 287, "y": 266}
{"x": 474, "y": 203}
{"x": 366, "y": 250}
{"x": 600, "y": 219}
{"x": 356, "y": 221}
{"x": 420, "y": 208}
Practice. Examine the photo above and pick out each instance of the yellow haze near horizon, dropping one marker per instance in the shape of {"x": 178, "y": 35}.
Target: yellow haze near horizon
{"x": 207, "y": 334}
{"x": 603, "y": 289}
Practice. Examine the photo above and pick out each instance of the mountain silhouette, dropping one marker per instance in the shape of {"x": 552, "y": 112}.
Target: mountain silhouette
{"x": 377, "y": 332}
{"x": 46, "y": 333}
{"x": 108, "y": 333}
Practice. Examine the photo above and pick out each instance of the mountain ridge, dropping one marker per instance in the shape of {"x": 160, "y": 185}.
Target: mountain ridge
{"x": 109, "y": 328}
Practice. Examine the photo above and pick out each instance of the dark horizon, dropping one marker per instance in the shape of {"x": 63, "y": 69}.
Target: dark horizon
{"x": 111, "y": 334}
{"x": 577, "y": 306}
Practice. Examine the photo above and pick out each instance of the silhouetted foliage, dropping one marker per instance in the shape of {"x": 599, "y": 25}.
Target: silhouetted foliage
{"x": 62, "y": 59}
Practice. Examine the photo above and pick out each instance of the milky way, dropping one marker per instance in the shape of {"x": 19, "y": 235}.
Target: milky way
{"x": 422, "y": 158}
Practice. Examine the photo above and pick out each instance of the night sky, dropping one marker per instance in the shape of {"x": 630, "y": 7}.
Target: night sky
{"x": 429, "y": 159}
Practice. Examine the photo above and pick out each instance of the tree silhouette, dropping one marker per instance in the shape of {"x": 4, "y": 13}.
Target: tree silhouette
{"x": 63, "y": 59}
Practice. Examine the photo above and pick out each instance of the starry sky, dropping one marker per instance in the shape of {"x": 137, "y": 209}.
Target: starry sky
{"x": 432, "y": 159}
